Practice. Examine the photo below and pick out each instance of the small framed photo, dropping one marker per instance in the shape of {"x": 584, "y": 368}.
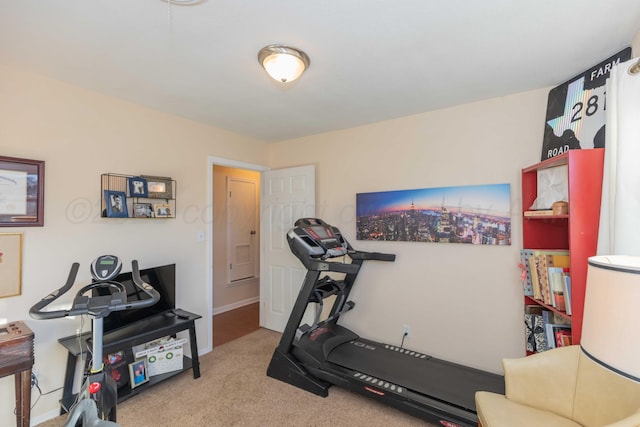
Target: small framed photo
{"x": 162, "y": 211}
{"x": 159, "y": 187}
{"x": 139, "y": 373}
{"x": 138, "y": 187}
{"x": 142, "y": 210}
{"x": 116, "y": 203}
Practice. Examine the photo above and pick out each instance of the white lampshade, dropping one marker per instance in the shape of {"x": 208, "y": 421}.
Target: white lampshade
{"x": 283, "y": 63}
{"x": 611, "y": 318}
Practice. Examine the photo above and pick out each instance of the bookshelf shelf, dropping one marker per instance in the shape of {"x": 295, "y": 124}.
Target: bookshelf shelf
{"x": 575, "y": 232}
{"x": 532, "y": 301}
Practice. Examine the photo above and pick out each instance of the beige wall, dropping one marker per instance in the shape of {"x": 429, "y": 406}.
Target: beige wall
{"x": 462, "y": 302}
{"x": 223, "y": 294}
{"x": 81, "y": 134}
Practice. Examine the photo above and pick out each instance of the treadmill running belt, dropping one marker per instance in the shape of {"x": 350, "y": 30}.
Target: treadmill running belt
{"x": 439, "y": 379}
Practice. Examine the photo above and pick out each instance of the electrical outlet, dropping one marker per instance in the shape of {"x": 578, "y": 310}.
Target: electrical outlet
{"x": 405, "y": 331}
{"x": 35, "y": 376}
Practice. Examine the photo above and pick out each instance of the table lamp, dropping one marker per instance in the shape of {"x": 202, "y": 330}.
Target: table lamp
{"x": 611, "y": 319}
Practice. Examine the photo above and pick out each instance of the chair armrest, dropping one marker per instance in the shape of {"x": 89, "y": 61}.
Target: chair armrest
{"x": 545, "y": 381}
{"x": 630, "y": 421}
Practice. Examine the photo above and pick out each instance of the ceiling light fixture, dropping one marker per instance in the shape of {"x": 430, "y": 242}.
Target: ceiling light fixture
{"x": 283, "y": 63}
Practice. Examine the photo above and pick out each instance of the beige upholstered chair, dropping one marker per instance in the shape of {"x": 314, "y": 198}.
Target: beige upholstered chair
{"x": 560, "y": 388}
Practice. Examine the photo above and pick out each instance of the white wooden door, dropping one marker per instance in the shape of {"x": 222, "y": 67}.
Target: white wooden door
{"x": 241, "y": 228}
{"x": 286, "y": 195}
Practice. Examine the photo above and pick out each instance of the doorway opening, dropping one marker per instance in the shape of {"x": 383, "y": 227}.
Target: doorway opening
{"x": 234, "y": 249}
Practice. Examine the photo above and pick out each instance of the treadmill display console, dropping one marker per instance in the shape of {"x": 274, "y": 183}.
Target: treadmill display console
{"x": 312, "y": 237}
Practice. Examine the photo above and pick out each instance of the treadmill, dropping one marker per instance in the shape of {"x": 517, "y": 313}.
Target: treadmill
{"x": 314, "y": 357}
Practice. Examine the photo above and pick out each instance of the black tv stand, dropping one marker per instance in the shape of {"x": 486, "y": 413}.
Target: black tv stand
{"x": 157, "y": 326}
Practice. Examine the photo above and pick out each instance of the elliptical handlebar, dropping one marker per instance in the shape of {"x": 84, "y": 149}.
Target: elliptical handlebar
{"x": 36, "y": 311}
{"x": 83, "y": 304}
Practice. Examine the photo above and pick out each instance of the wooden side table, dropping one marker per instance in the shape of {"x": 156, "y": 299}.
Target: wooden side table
{"x": 16, "y": 358}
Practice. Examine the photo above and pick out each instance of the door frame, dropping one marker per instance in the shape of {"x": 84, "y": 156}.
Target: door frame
{"x": 217, "y": 161}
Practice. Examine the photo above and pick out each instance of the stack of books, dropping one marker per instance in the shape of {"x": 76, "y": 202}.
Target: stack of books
{"x": 547, "y": 277}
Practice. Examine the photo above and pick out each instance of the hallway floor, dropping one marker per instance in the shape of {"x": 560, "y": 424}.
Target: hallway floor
{"x": 233, "y": 324}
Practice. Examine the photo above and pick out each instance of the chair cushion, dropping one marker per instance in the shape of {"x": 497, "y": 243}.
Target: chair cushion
{"x": 495, "y": 410}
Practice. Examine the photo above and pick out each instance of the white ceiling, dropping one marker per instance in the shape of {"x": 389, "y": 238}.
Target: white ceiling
{"x": 371, "y": 60}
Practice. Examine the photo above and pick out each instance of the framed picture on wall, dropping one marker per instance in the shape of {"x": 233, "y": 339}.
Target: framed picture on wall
{"x": 21, "y": 192}
{"x": 162, "y": 211}
{"x": 116, "y": 203}
{"x": 142, "y": 210}
{"x": 11, "y": 262}
{"x": 159, "y": 187}
{"x": 138, "y": 187}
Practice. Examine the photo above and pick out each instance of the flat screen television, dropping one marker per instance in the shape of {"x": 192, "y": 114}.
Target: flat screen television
{"x": 162, "y": 278}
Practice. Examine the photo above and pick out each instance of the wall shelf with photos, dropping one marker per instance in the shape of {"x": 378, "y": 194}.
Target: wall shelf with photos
{"x": 137, "y": 196}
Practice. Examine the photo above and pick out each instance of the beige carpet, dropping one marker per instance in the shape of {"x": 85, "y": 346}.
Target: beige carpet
{"x": 235, "y": 391}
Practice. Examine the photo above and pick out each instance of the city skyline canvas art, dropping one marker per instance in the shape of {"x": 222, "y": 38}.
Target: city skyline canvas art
{"x": 474, "y": 214}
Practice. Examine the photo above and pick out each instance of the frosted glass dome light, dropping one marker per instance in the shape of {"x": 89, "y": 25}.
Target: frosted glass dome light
{"x": 283, "y": 63}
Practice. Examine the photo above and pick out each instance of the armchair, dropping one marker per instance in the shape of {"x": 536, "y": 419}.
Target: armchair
{"x": 562, "y": 387}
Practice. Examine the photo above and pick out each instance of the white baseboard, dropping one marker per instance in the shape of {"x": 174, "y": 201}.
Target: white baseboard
{"x": 238, "y": 304}
{"x": 44, "y": 417}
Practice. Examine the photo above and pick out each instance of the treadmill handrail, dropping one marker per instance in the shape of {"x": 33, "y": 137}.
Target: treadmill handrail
{"x": 348, "y": 268}
{"x": 372, "y": 256}
{"x": 338, "y": 267}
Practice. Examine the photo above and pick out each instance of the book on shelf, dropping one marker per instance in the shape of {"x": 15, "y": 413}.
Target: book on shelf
{"x": 549, "y": 316}
{"x": 525, "y": 255}
{"x": 567, "y": 292}
{"x": 556, "y": 282}
{"x": 539, "y": 263}
{"x": 534, "y": 329}
{"x": 551, "y": 323}
{"x": 538, "y": 212}
{"x": 554, "y": 334}
{"x": 543, "y": 264}
{"x": 561, "y": 335}
{"x": 535, "y": 282}
{"x": 545, "y": 329}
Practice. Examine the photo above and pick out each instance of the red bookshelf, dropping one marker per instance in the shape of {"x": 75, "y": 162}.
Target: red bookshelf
{"x": 577, "y": 231}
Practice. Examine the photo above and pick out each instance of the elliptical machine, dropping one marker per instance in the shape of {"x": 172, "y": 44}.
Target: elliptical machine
{"x": 314, "y": 357}
{"x": 97, "y": 399}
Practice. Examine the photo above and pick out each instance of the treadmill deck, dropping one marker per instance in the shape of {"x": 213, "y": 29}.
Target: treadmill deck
{"x": 395, "y": 368}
